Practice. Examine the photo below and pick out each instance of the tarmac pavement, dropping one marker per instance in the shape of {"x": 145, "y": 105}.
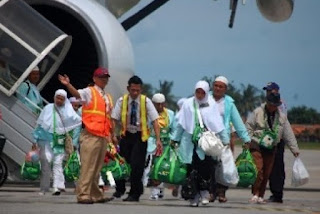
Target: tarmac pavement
{"x": 24, "y": 198}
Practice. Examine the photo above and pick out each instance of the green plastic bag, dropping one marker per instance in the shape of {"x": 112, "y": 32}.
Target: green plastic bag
{"x": 31, "y": 170}
{"x": 72, "y": 168}
{"x": 168, "y": 168}
{"x": 247, "y": 169}
{"x": 118, "y": 169}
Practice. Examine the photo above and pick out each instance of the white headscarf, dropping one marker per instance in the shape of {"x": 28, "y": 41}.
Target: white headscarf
{"x": 181, "y": 101}
{"x": 210, "y": 114}
{"x": 70, "y": 118}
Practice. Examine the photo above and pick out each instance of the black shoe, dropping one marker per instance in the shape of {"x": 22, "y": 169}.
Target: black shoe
{"x": 131, "y": 198}
{"x": 275, "y": 200}
{"x": 118, "y": 194}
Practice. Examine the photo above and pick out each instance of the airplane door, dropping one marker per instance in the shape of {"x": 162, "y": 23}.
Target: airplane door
{"x": 27, "y": 40}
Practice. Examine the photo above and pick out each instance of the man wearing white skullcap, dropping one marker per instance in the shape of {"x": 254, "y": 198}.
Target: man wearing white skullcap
{"x": 166, "y": 122}
{"x": 28, "y": 92}
{"x": 158, "y": 98}
{"x": 230, "y": 115}
{"x": 222, "y": 79}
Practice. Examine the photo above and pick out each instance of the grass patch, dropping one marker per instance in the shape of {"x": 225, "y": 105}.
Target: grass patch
{"x": 309, "y": 145}
{"x": 302, "y": 145}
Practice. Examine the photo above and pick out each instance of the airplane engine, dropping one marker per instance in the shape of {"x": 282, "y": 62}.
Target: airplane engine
{"x": 98, "y": 39}
{"x": 276, "y": 10}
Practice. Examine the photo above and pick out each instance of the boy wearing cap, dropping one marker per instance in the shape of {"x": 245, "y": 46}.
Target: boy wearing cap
{"x": 166, "y": 123}
{"x": 133, "y": 111}
{"x": 230, "y": 114}
{"x": 98, "y": 126}
{"x": 266, "y": 126}
{"x": 28, "y": 92}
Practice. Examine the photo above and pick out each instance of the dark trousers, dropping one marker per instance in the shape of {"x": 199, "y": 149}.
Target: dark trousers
{"x": 134, "y": 151}
{"x": 204, "y": 169}
{"x": 277, "y": 176}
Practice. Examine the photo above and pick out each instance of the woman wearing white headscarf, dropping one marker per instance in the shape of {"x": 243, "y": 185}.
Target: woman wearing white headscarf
{"x": 189, "y": 153}
{"x": 54, "y": 121}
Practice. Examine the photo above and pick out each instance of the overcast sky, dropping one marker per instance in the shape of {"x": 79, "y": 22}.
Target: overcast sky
{"x": 185, "y": 40}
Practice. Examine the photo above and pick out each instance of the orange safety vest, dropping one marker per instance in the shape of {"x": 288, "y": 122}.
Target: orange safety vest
{"x": 145, "y": 133}
{"x": 94, "y": 115}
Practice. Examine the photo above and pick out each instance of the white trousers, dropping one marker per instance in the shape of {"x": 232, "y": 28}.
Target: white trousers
{"x": 46, "y": 158}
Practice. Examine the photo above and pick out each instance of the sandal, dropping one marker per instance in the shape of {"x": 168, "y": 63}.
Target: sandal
{"x": 222, "y": 199}
{"x": 212, "y": 198}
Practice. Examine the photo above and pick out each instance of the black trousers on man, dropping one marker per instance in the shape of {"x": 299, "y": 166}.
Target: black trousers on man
{"x": 134, "y": 151}
{"x": 277, "y": 176}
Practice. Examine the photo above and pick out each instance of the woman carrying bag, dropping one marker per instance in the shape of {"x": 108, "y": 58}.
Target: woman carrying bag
{"x": 187, "y": 132}
{"x": 53, "y": 125}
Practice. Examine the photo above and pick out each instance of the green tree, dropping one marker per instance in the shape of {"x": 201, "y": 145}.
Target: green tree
{"x": 148, "y": 90}
{"x": 303, "y": 115}
{"x": 165, "y": 87}
{"x": 251, "y": 98}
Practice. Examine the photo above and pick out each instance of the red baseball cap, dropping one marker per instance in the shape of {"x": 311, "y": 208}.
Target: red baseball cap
{"x": 101, "y": 72}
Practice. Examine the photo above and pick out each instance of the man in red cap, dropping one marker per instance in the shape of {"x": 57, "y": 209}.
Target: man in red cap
{"x": 98, "y": 127}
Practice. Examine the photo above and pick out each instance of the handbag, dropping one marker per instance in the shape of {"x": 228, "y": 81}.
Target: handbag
{"x": 31, "y": 168}
{"x": 269, "y": 137}
{"x": 72, "y": 168}
{"x": 210, "y": 144}
{"x": 300, "y": 175}
{"x": 226, "y": 172}
{"x": 206, "y": 140}
{"x": 68, "y": 144}
{"x": 119, "y": 168}
{"x": 168, "y": 168}
{"x": 247, "y": 169}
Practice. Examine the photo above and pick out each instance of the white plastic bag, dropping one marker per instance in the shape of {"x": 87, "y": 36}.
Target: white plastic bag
{"x": 226, "y": 171}
{"x": 300, "y": 175}
{"x": 210, "y": 144}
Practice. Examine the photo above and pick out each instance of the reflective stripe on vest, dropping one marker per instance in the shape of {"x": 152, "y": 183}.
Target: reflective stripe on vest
{"x": 94, "y": 116}
{"x": 143, "y": 116}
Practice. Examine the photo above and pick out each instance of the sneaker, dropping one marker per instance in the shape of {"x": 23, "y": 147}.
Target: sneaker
{"x": 261, "y": 201}
{"x": 161, "y": 194}
{"x": 204, "y": 201}
{"x": 204, "y": 194}
{"x": 195, "y": 202}
{"x": 56, "y": 191}
{"x": 42, "y": 193}
{"x": 254, "y": 199}
{"x": 154, "y": 197}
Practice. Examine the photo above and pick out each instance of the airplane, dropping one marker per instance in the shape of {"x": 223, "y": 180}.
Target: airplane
{"x": 71, "y": 37}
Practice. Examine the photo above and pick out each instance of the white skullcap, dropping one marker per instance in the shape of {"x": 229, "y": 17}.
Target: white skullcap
{"x": 36, "y": 68}
{"x": 158, "y": 98}
{"x": 181, "y": 101}
{"x": 222, "y": 79}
